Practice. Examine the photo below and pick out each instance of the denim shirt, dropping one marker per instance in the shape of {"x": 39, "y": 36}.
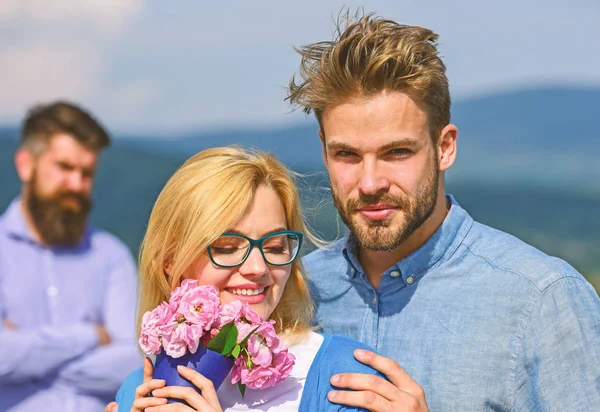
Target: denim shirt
{"x": 481, "y": 320}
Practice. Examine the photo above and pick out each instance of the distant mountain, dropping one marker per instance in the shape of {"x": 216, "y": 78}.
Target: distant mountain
{"x": 545, "y": 136}
{"x": 525, "y": 166}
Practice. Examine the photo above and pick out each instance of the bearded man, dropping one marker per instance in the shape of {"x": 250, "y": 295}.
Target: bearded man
{"x": 467, "y": 318}
{"x": 67, "y": 290}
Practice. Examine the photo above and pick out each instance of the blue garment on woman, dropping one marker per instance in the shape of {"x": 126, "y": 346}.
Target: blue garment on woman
{"x": 334, "y": 356}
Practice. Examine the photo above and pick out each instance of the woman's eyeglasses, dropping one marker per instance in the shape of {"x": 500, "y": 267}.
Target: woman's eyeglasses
{"x": 278, "y": 248}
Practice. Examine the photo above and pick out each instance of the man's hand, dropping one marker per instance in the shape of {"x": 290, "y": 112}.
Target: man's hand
{"x": 9, "y": 325}
{"x": 103, "y": 336}
{"x": 376, "y": 394}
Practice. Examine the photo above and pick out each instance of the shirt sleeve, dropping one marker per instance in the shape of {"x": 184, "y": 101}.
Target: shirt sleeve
{"x": 101, "y": 371}
{"x": 561, "y": 349}
{"x": 35, "y": 354}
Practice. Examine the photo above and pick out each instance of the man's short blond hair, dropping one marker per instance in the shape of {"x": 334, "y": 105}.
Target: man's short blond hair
{"x": 367, "y": 56}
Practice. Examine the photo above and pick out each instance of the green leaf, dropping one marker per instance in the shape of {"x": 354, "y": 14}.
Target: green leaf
{"x": 225, "y": 340}
{"x": 236, "y": 351}
{"x": 242, "y": 388}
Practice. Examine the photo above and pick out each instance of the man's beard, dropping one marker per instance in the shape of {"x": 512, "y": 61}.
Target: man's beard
{"x": 381, "y": 235}
{"x": 57, "y": 224}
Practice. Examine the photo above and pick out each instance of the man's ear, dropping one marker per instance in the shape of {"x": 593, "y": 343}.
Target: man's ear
{"x": 323, "y": 146}
{"x": 25, "y": 164}
{"x": 447, "y": 147}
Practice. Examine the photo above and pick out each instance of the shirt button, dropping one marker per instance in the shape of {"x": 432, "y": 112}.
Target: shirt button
{"x": 410, "y": 280}
{"x": 394, "y": 273}
{"x": 52, "y": 291}
{"x": 375, "y": 300}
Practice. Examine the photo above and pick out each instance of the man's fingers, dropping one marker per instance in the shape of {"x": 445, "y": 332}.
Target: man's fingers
{"x": 9, "y": 325}
{"x": 367, "y": 400}
{"x": 364, "y": 382}
{"x": 389, "y": 368}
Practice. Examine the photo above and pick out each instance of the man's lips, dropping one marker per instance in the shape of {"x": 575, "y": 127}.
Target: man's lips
{"x": 377, "y": 211}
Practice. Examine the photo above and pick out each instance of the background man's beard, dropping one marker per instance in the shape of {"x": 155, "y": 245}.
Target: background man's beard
{"x": 379, "y": 235}
{"x": 56, "y": 224}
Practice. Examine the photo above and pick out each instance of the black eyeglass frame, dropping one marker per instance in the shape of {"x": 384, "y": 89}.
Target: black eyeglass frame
{"x": 258, "y": 243}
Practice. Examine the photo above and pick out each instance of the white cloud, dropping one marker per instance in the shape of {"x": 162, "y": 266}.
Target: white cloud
{"x": 38, "y": 74}
{"x": 110, "y": 15}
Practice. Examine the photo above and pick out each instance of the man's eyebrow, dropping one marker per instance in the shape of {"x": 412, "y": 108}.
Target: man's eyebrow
{"x": 407, "y": 141}
{"x": 340, "y": 146}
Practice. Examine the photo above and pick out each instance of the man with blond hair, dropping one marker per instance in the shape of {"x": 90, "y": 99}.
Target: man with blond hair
{"x": 67, "y": 289}
{"x": 466, "y": 317}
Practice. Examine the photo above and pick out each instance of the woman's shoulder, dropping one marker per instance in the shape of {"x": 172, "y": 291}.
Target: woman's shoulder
{"x": 338, "y": 350}
{"x": 126, "y": 394}
{"x": 336, "y": 355}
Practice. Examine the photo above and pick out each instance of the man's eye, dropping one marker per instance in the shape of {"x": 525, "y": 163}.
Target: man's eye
{"x": 399, "y": 152}
{"x": 344, "y": 153}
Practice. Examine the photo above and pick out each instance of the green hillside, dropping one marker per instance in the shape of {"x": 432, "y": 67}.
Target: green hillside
{"x": 561, "y": 223}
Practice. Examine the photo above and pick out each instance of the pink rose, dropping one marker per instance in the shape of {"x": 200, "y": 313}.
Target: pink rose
{"x": 200, "y": 306}
{"x": 229, "y": 312}
{"x": 260, "y": 378}
{"x": 180, "y": 291}
{"x": 249, "y": 314}
{"x": 267, "y": 331}
{"x": 283, "y": 362}
{"x": 259, "y": 352}
{"x": 244, "y": 330}
{"x": 177, "y": 341}
{"x": 149, "y": 342}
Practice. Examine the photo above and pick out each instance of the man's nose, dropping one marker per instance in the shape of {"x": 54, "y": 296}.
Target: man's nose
{"x": 373, "y": 180}
{"x": 254, "y": 265}
{"x": 76, "y": 181}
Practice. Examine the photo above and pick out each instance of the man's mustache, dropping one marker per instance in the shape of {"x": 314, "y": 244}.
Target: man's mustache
{"x": 395, "y": 201}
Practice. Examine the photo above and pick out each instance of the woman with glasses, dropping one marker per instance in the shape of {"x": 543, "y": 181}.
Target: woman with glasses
{"x": 231, "y": 218}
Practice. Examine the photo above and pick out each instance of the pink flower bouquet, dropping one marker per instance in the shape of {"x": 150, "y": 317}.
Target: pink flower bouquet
{"x": 194, "y": 323}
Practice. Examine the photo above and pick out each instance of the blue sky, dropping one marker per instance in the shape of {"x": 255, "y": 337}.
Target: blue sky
{"x": 158, "y": 66}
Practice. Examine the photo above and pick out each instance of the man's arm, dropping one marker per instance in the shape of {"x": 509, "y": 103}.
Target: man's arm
{"x": 28, "y": 355}
{"x": 31, "y": 355}
{"x": 560, "y": 368}
{"x": 101, "y": 371}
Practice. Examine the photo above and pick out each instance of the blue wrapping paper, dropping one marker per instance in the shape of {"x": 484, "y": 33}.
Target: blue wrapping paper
{"x": 212, "y": 365}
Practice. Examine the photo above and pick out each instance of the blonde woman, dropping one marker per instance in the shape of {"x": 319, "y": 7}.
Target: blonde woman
{"x": 218, "y": 195}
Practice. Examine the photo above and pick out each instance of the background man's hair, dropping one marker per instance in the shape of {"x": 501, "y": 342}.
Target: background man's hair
{"x": 45, "y": 121}
{"x": 368, "y": 55}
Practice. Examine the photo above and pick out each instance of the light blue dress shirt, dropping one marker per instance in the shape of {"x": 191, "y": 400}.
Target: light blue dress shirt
{"x": 481, "y": 320}
{"x": 52, "y": 361}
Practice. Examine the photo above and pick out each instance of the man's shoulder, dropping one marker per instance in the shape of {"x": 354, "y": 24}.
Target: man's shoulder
{"x": 503, "y": 252}
{"x": 324, "y": 256}
{"x": 106, "y": 241}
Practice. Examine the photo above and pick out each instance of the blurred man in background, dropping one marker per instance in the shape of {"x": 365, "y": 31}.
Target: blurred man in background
{"x": 67, "y": 290}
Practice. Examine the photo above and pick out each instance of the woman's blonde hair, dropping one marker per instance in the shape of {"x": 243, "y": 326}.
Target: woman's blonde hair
{"x": 206, "y": 197}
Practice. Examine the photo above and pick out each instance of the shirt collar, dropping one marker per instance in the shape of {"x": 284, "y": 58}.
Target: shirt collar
{"x": 16, "y": 226}
{"x": 438, "y": 248}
